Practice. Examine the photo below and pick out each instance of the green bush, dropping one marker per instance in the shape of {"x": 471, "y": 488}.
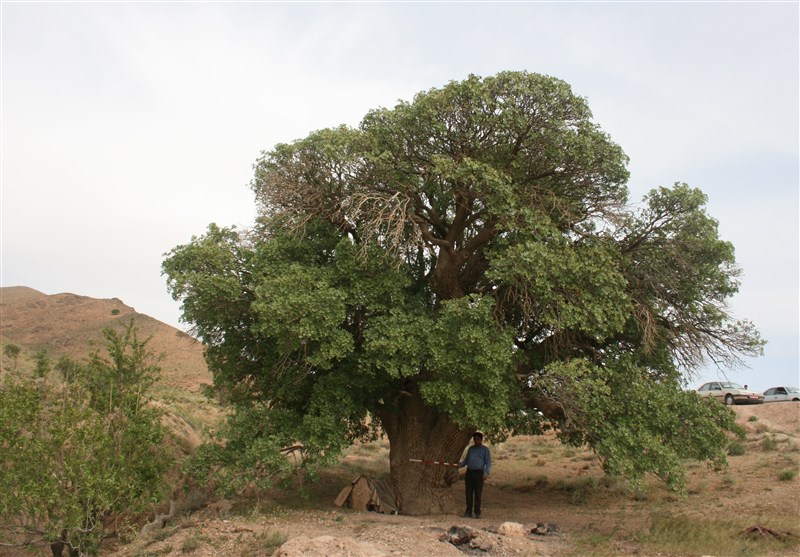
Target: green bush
{"x": 787, "y": 475}
{"x": 76, "y": 452}
{"x": 735, "y": 448}
{"x": 12, "y": 352}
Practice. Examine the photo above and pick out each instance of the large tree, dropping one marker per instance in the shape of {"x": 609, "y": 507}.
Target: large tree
{"x": 466, "y": 260}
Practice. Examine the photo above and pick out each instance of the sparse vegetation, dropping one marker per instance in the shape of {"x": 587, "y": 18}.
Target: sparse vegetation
{"x": 769, "y": 443}
{"x": 269, "y": 541}
{"x": 787, "y": 475}
{"x": 761, "y": 428}
{"x": 580, "y": 489}
{"x": 12, "y": 352}
{"x": 735, "y": 448}
{"x": 190, "y": 544}
{"x": 686, "y": 535}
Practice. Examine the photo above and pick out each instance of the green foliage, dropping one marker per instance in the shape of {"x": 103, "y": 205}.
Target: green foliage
{"x": 250, "y": 456}
{"x": 68, "y": 368}
{"x": 74, "y": 452}
{"x": 787, "y": 475}
{"x": 470, "y": 360}
{"x": 12, "y": 351}
{"x": 769, "y": 443}
{"x": 465, "y": 259}
{"x": 42, "y": 364}
{"x": 638, "y": 423}
{"x": 736, "y": 449}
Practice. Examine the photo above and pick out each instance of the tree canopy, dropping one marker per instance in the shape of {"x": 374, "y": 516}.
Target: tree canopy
{"x": 466, "y": 260}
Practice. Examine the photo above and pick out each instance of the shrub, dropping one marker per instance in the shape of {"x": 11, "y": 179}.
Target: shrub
{"x": 12, "y": 351}
{"x": 42, "y": 364}
{"x": 735, "y": 448}
{"x": 769, "y": 443}
{"x": 787, "y": 475}
{"x": 189, "y": 545}
{"x": 271, "y": 541}
{"x": 76, "y": 452}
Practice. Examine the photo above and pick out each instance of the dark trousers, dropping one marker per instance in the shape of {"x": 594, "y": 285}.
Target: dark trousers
{"x": 474, "y": 483}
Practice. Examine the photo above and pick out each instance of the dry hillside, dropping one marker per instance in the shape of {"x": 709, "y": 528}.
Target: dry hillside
{"x": 71, "y": 325}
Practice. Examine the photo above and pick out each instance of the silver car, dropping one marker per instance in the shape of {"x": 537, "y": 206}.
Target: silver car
{"x": 777, "y": 394}
{"x": 729, "y": 393}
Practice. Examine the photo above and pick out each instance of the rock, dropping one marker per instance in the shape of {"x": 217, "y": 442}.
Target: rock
{"x": 459, "y": 535}
{"x": 512, "y": 529}
{"x": 481, "y": 544}
{"x": 553, "y": 528}
{"x": 542, "y": 529}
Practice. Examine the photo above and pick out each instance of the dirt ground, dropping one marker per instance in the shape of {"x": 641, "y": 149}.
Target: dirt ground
{"x": 547, "y": 484}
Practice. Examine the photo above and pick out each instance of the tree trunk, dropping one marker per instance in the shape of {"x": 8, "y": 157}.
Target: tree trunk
{"x": 447, "y": 275}
{"x": 57, "y": 547}
{"x": 421, "y": 432}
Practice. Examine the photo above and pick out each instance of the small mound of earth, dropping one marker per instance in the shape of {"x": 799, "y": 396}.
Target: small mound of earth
{"x": 778, "y": 417}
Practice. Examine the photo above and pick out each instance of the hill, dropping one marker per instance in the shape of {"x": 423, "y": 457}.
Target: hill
{"x": 71, "y": 325}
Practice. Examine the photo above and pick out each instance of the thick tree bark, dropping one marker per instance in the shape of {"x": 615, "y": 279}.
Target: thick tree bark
{"x": 419, "y": 431}
{"x": 446, "y": 282}
{"x": 57, "y": 547}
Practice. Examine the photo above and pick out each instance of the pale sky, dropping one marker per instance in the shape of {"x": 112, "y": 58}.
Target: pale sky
{"x": 127, "y": 128}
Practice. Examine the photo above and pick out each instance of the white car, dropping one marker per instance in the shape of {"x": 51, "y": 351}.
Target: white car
{"x": 776, "y": 394}
{"x": 729, "y": 393}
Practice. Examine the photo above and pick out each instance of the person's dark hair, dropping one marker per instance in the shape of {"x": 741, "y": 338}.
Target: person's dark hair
{"x": 477, "y": 435}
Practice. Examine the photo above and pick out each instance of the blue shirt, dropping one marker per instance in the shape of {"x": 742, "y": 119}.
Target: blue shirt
{"x": 478, "y": 458}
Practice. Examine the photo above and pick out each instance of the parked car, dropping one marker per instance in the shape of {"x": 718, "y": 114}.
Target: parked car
{"x": 729, "y": 393}
{"x": 777, "y": 394}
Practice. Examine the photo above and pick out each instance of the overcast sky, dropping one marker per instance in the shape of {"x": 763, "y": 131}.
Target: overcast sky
{"x": 129, "y": 127}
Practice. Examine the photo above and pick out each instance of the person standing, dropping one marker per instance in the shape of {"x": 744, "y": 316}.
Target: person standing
{"x": 478, "y": 462}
